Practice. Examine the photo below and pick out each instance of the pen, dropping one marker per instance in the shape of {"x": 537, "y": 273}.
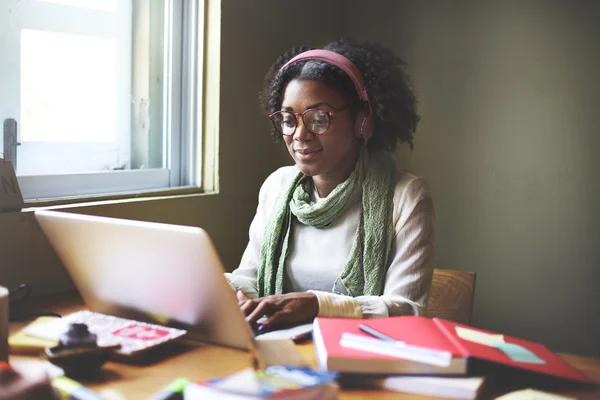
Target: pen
{"x": 173, "y": 391}
{"x": 378, "y": 334}
{"x": 71, "y": 389}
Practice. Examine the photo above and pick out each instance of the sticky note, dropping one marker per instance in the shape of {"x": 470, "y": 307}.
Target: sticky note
{"x": 531, "y": 394}
{"x": 486, "y": 339}
{"x": 519, "y": 353}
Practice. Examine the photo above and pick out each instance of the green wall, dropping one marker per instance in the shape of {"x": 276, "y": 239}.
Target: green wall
{"x": 509, "y": 94}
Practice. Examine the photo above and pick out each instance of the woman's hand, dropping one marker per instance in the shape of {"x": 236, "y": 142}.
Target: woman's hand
{"x": 282, "y": 309}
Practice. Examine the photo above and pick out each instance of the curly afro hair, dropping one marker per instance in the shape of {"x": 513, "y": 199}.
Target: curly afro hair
{"x": 392, "y": 98}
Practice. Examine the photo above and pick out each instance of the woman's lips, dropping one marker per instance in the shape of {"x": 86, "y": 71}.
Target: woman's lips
{"x": 307, "y": 154}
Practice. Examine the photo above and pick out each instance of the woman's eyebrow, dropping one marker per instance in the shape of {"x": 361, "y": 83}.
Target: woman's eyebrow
{"x": 323, "y": 103}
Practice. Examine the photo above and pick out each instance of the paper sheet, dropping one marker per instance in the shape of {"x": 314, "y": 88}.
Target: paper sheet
{"x": 519, "y": 353}
{"x": 288, "y": 333}
{"x": 479, "y": 337}
{"x": 516, "y": 352}
{"x": 531, "y": 394}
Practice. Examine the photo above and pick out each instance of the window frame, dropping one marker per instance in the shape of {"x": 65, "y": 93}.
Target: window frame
{"x": 192, "y": 130}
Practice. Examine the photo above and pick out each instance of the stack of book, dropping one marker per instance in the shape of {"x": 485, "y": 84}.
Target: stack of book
{"x": 434, "y": 356}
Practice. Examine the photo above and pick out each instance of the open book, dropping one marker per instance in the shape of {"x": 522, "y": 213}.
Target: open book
{"x": 461, "y": 343}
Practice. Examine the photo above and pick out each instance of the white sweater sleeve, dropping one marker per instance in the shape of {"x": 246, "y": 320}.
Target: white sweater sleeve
{"x": 408, "y": 278}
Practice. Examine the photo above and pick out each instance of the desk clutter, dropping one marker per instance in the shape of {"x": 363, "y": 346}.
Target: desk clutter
{"x": 419, "y": 355}
{"x": 133, "y": 337}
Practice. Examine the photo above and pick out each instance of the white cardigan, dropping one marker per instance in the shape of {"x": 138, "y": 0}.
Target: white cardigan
{"x": 317, "y": 257}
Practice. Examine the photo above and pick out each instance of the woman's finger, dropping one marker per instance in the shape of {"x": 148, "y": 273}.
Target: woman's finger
{"x": 247, "y": 306}
{"x": 263, "y": 308}
{"x": 278, "y": 318}
{"x": 241, "y": 296}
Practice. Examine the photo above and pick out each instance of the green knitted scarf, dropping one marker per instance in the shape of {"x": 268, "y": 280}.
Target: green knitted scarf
{"x": 371, "y": 184}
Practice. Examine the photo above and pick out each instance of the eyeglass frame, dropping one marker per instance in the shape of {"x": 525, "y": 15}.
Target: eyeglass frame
{"x": 301, "y": 114}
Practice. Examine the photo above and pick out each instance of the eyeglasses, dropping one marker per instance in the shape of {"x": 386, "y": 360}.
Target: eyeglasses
{"x": 315, "y": 120}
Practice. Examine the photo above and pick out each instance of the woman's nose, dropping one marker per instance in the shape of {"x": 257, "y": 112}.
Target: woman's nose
{"x": 302, "y": 134}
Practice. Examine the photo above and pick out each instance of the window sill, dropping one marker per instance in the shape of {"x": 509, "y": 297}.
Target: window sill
{"x": 85, "y": 201}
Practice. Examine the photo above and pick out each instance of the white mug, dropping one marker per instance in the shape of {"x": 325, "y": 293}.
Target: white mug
{"x": 3, "y": 324}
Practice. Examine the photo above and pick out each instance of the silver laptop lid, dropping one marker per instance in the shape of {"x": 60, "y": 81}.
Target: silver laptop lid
{"x": 158, "y": 273}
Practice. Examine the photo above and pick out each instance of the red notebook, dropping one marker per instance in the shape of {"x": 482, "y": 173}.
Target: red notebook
{"x": 463, "y": 342}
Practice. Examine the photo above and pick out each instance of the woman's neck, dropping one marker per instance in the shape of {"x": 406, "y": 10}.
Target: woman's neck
{"x": 326, "y": 183}
{"x": 324, "y": 186}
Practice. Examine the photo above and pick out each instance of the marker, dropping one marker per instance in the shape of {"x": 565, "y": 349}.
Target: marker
{"x": 173, "y": 391}
{"x": 74, "y": 390}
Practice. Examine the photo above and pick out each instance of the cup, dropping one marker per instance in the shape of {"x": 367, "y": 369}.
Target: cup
{"x": 3, "y": 324}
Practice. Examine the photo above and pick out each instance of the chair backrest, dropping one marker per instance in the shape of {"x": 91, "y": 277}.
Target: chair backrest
{"x": 451, "y": 295}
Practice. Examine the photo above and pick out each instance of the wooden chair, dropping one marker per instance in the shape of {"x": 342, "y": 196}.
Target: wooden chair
{"x": 451, "y": 295}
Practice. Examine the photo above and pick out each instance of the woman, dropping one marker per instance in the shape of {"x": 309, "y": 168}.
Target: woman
{"x": 341, "y": 233}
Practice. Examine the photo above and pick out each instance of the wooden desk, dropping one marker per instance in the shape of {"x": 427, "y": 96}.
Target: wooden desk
{"x": 207, "y": 361}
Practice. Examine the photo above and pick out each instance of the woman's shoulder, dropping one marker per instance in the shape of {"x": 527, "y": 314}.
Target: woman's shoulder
{"x": 410, "y": 187}
{"x": 280, "y": 176}
{"x": 277, "y": 180}
{"x": 411, "y": 191}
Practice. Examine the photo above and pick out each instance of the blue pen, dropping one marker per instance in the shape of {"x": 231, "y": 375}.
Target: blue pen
{"x": 376, "y": 334}
{"x": 71, "y": 389}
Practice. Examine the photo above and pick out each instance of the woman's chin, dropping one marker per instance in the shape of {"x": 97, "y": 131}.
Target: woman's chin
{"x": 308, "y": 170}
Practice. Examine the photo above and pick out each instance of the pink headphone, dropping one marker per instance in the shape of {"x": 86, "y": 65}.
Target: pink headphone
{"x": 366, "y": 123}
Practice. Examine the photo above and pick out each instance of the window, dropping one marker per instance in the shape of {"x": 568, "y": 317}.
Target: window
{"x": 107, "y": 94}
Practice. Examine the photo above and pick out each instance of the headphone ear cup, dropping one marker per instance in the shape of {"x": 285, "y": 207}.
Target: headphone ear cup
{"x": 364, "y": 125}
{"x": 359, "y": 123}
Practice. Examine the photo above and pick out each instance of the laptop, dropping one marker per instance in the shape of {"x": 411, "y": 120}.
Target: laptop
{"x": 150, "y": 272}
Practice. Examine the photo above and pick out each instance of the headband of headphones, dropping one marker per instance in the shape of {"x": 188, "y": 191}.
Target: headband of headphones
{"x": 331, "y": 57}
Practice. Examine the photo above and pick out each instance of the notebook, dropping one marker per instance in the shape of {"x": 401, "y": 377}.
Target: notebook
{"x": 464, "y": 343}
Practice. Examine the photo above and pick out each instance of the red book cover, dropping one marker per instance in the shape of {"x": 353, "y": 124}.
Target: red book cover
{"x": 437, "y": 334}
